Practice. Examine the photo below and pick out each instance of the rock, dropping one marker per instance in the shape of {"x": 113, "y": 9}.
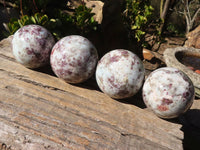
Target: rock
{"x": 147, "y": 54}
{"x": 72, "y": 4}
{"x": 97, "y": 8}
{"x": 197, "y": 71}
{"x": 152, "y": 60}
{"x": 193, "y": 38}
{"x": 171, "y": 55}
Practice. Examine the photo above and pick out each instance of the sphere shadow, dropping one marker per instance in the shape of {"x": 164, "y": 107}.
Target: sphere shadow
{"x": 45, "y": 69}
{"x": 191, "y": 128}
{"x": 190, "y": 122}
{"x": 90, "y": 84}
{"x": 136, "y": 100}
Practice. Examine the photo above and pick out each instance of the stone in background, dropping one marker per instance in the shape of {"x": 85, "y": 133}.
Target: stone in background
{"x": 193, "y": 38}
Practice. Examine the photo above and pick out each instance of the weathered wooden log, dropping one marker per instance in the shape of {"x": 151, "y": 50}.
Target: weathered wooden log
{"x": 40, "y": 111}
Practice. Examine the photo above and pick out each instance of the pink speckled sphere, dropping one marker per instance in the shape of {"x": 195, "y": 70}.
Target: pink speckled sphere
{"x": 168, "y": 92}
{"x": 120, "y": 74}
{"x": 32, "y": 46}
{"x": 73, "y": 59}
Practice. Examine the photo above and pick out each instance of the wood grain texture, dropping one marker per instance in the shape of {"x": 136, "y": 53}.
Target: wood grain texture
{"x": 40, "y": 111}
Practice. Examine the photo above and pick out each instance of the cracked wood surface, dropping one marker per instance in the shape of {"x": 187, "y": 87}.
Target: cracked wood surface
{"x": 40, "y": 111}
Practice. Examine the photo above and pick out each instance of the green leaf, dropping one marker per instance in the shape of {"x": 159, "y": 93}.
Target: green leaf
{"x": 134, "y": 27}
{"x": 20, "y": 24}
{"x": 33, "y": 20}
{"x": 37, "y": 17}
{"x": 92, "y": 20}
{"x": 44, "y": 19}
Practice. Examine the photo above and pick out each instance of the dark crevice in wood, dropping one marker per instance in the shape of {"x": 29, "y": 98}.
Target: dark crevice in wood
{"x": 7, "y": 58}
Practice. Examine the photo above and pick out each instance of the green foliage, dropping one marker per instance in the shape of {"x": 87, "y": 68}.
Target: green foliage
{"x": 81, "y": 22}
{"x": 13, "y": 25}
{"x": 59, "y": 23}
{"x": 83, "y": 19}
{"x": 174, "y": 30}
{"x": 38, "y": 18}
{"x": 137, "y": 15}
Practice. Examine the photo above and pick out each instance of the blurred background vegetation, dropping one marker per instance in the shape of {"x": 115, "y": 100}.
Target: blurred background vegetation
{"x": 53, "y": 15}
{"x": 156, "y": 17}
